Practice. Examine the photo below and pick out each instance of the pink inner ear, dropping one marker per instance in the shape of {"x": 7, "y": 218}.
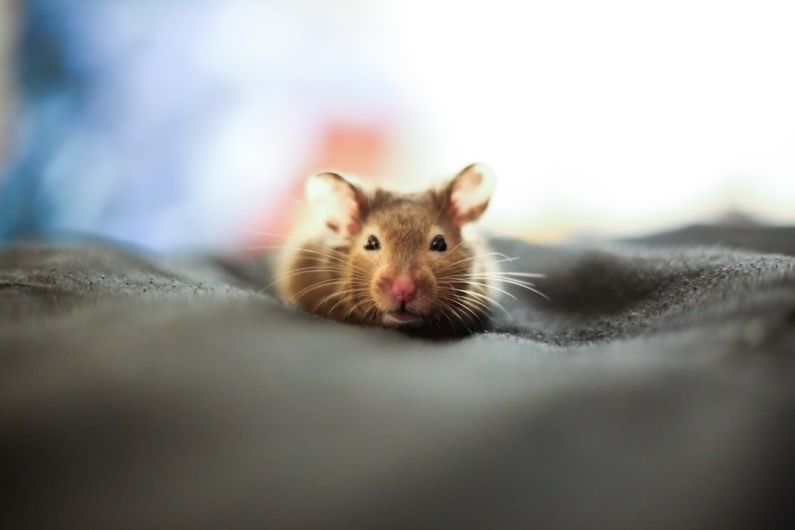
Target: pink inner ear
{"x": 334, "y": 200}
{"x": 351, "y": 226}
{"x": 466, "y": 205}
{"x": 458, "y": 209}
{"x": 469, "y": 192}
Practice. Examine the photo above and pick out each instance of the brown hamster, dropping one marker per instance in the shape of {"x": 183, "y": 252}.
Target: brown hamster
{"x": 382, "y": 258}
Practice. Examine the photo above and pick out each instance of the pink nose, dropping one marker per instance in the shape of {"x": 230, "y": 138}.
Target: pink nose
{"x": 403, "y": 289}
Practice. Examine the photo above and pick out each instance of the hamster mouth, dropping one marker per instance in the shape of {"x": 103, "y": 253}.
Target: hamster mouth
{"x": 401, "y": 316}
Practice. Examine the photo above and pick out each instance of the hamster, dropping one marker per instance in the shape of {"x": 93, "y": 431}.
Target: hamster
{"x": 397, "y": 260}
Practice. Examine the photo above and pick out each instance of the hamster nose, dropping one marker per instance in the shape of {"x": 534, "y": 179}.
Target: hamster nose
{"x": 403, "y": 289}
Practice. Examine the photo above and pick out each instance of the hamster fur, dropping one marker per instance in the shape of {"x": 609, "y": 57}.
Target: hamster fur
{"x": 399, "y": 260}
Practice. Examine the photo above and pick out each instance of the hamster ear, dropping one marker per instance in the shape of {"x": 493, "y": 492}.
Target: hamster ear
{"x": 337, "y": 201}
{"x": 467, "y": 194}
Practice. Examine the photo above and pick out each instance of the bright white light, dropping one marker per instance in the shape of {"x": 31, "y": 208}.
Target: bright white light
{"x": 617, "y": 116}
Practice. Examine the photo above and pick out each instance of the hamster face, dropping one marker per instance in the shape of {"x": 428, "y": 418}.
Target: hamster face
{"x": 409, "y": 263}
{"x": 397, "y": 260}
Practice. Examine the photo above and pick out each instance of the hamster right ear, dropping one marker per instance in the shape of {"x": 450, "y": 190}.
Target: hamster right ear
{"x": 467, "y": 195}
{"x": 337, "y": 201}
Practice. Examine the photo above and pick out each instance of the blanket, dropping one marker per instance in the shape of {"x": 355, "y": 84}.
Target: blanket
{"x": 654, "y": 389}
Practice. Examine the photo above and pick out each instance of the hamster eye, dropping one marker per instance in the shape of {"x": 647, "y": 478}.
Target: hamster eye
{"x": 372, "y": 243}
{"x": 438, "y": 243}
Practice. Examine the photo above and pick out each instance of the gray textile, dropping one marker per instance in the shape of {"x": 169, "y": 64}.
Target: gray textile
{"x": 654, "y": 390}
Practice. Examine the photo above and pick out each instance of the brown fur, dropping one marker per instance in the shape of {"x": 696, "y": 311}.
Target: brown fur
{"x": 328, "y": 271}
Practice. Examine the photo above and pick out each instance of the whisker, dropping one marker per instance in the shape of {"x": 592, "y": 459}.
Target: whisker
{"x": 328, "y": 299}
{"x": 512, "y": 281}
{"x": 355, "y": 306}
{"x": 467, "y": 309}
{"x": 480, "y": 297}
{"x": 298, "y": 272}
{"x": 458, "y": 303}
{"x": 477, "y": 305}
{"x": 374, "y": 308}
{"x": 318, "y": 285}
{"x": 503, "y": 280}
{"x": 531, "y": 289}
{"x": 355, "y": 290}
{"x": 466, "y": 279}
{"x": 523, "y": 285}
{"x": 472, "y": 258}
{"x": 302, "y": 269}
{"x": 450, "y": 252}
{"x": 333, "y": 295}
{"x": 443, "y": 311}
{"x": 480, "y": 305}
{"x": 524, "y": 274}
{"x": 458, "y": 316}
{"x": 478, "y": 256}
{"x": 487, "y": 298}
{"x": 499, "y": 276}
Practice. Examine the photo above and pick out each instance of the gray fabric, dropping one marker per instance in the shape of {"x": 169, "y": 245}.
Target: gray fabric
{"x": 654, "y": 390}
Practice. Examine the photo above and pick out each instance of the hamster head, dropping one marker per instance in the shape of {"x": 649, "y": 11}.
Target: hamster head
{"x": 407, "y": 262}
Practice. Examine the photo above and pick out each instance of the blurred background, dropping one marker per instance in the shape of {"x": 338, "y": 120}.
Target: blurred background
{"x": 182, "y": 125}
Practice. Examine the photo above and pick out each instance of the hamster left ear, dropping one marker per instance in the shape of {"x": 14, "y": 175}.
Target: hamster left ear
{"x": 339, "y": 202}
{"x": 467, "y": 195}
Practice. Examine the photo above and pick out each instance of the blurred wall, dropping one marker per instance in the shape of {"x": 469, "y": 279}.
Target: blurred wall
{"x": 616, "y": 116}
{"x": 7, "y": 38}
{"x": 186, "y": 124}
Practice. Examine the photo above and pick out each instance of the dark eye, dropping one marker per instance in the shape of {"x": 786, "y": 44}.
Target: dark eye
{"x": 372, "y": 243}
{"x": 438, "y": 243}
